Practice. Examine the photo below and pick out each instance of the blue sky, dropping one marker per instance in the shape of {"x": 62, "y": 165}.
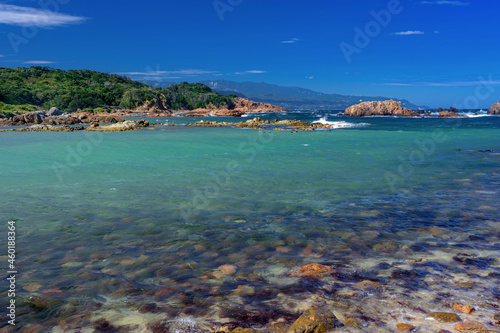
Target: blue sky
{"x": 435, "y": 53}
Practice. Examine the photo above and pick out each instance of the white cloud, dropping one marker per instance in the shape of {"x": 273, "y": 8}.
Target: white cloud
{"x": 444, "y": 2}
{"x": 250, "y": 72}
{"x": 445, "y": 84}
{"x": 38, "y": 62}
{"x": 408, "y": 33}
{"x": 310, "y": 77}
{"x": 188, "y": 72}
{"x": 291, "y": 41}
{"x": 27, "y": 16}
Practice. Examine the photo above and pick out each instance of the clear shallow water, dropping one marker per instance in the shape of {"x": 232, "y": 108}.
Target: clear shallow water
{"x": 110, "y": 224}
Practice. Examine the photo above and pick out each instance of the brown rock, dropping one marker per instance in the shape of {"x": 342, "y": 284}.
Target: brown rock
{"x": 367, "y": 284}
{"x": 450, "y": 114}
{"x": 240, "y": 107}
{"x": 119, "y": 127}
{"x": 277, "y": 328}
{"x": 352, "y": 322}
{"x": 32, "y": 287}
{"x": 32, "y": 118}
{"x": 314, "y": 320}
{"x": 243, "y": 330}
{"x": 283, "y": 249}
{"x": 444, "y": 317}
{"x": 312, "y": 270}
{"x": 245, "y": 290}
{"x": 462, "y": 308}
{"x": 43, "y": 303}
{"x": 228, "y": 269}
{"x": 405, "y": 327}
{"x": 377, "y": 108}
{"x": 157, "y": 105}
{"x": 470, "y": 326}
{"x": 495, "y": 108}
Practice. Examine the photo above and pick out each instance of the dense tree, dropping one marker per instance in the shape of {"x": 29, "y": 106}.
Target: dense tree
{"x": 84, "y": 89}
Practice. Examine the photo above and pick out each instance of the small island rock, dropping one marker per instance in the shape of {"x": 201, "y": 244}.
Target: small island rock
{"x": 378, "y": 108}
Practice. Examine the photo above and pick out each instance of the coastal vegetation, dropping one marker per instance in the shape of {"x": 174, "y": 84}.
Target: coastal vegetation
{"x": 28, "y": 89}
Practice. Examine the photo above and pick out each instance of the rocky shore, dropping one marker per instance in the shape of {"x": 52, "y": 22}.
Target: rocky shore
{"x": 156, "y": 108}
{"x": 127, "y": 125}
{"x": 241, "y": 107}
{"x": 276, "y": 125}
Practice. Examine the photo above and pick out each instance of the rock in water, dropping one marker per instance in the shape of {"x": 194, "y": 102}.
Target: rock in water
{"x": 470, "y": 326}
{"x": 314, "y": 320}
{"x": 312, "y": 270}
{"x": 450, "y": 114}
{"x": 405, "y": 327}
{"x": 378, "y": 108}
{"x": 119, "y": 127}
{"x": 463, "y": 308}
{"x": 495, "y": 108}
{"x": 444, "y": 317}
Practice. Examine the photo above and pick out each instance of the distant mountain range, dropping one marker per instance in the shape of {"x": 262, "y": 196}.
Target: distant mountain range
{"x": 291, "y": 98}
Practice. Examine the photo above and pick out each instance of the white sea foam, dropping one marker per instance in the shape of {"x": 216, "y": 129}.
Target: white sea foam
{"x": 472, "y": 115}
{"x": 337, "y": 124}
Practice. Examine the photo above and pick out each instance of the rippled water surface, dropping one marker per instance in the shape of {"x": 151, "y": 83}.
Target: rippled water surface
{"x": 190, "y": 228}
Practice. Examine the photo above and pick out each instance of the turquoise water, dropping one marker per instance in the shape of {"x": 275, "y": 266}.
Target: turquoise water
{"x": 133, "y": 227}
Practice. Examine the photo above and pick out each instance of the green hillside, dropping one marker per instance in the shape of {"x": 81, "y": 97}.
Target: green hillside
{"x": 21, "y": 89}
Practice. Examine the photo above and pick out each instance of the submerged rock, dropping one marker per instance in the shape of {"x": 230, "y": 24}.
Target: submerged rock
{"x": 243, "y": 330}
{"x": 315, "y": 320}
{"x": 470, "y": 326}
{"x": 444, "y": 317}
{"x": 462, "y": 308}
{"x": 312, "y": 270}
{"x": 405, "y": 327}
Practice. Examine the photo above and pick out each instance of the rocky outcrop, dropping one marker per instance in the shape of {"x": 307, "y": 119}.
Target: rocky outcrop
{"x": 128, "y": 125}
{"x": 258, "y": 123}
{"x": 495, "y": 108}
{"x": 28, "y": 118}
{"x": 156, "y": 106}
{"x": 239, "y": 108}
{"x": 450, "y": 114}
{"x": 378, "y": 108}
{"x": 45, "y": 128}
